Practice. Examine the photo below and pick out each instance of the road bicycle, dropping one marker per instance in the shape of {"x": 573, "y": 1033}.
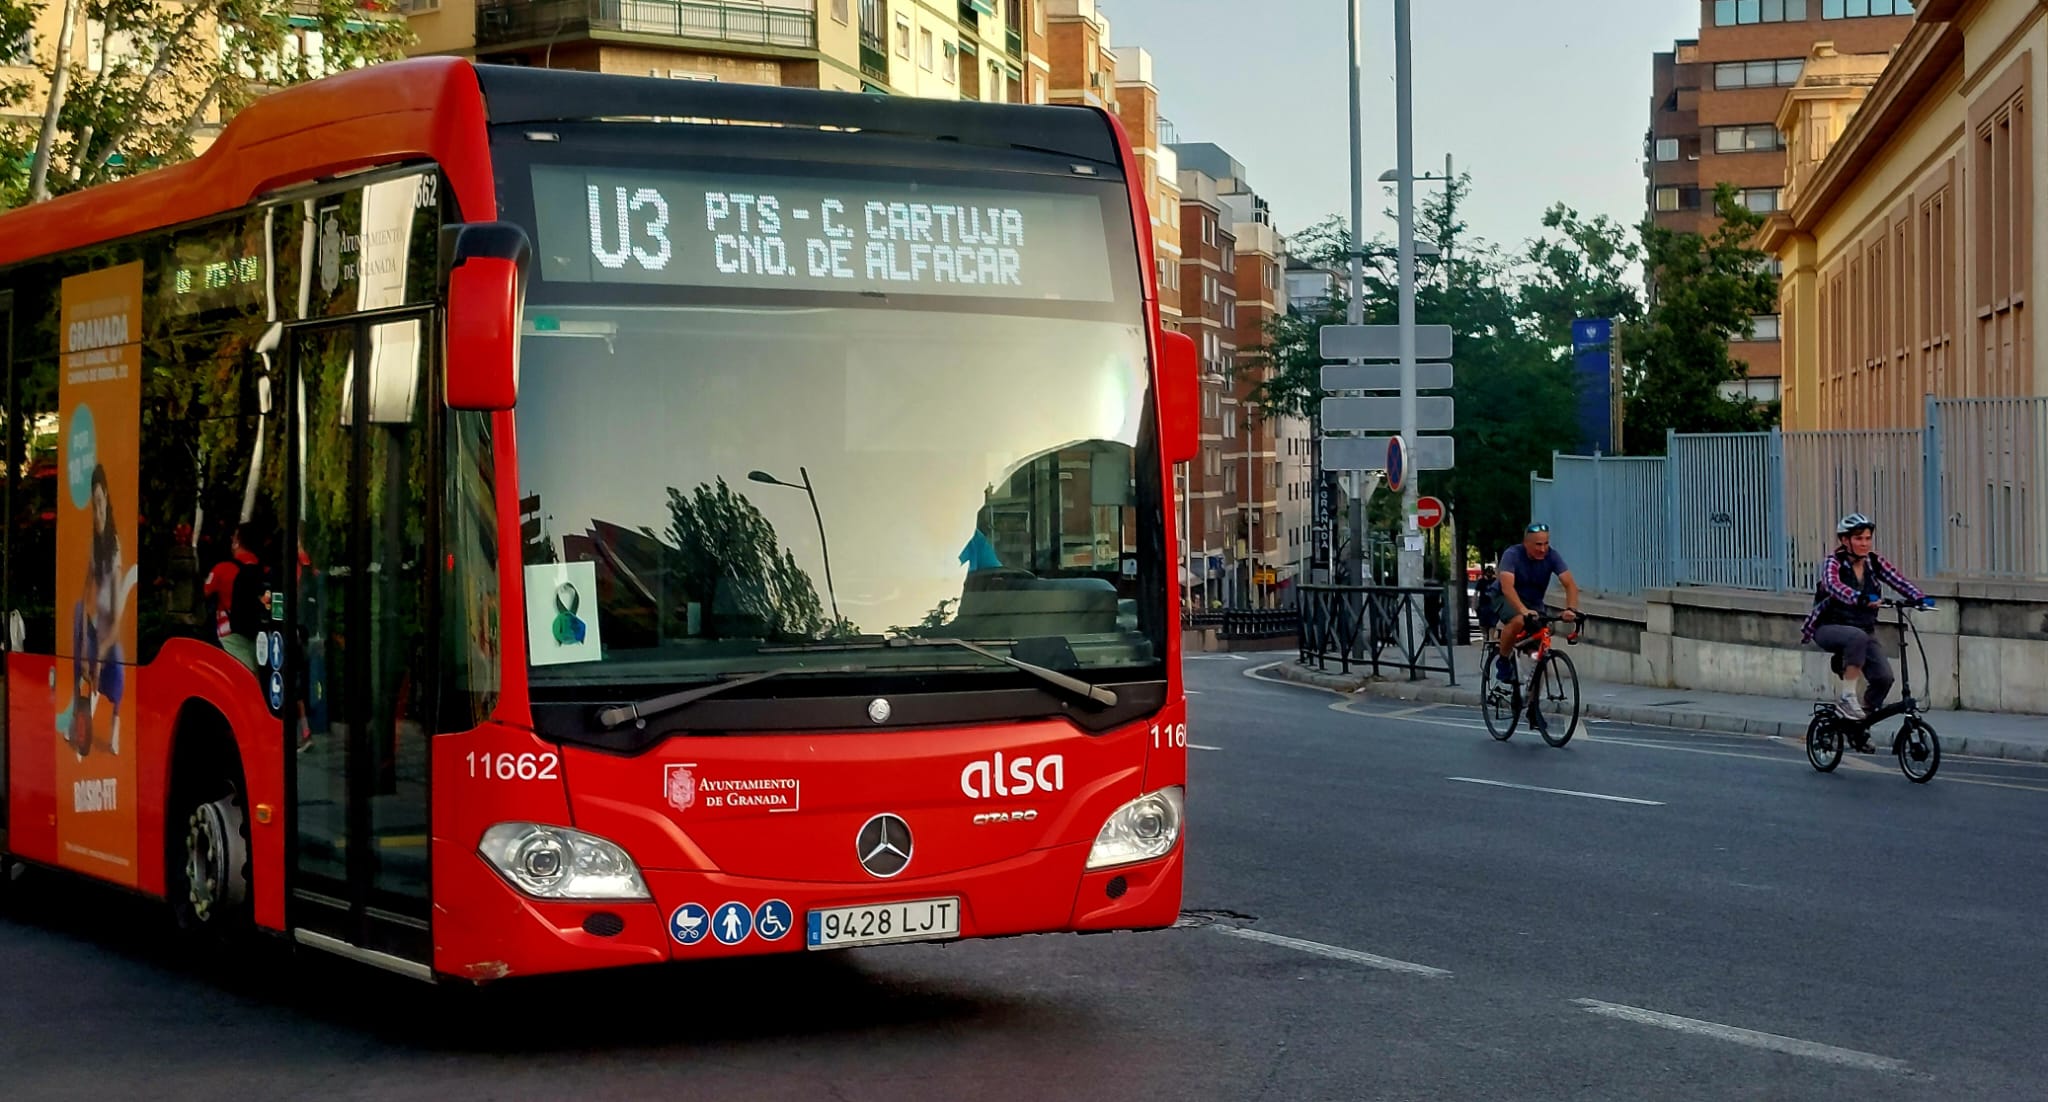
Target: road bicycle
{"x": 1551, "y": 678}
{"x": 1915, "y": 744}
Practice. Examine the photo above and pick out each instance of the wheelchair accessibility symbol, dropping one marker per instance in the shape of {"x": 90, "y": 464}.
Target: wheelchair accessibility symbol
{"x": 772, "y": 920}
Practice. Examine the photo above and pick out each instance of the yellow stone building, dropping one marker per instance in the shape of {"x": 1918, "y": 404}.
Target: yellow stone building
{"x": 1907, "y": 230}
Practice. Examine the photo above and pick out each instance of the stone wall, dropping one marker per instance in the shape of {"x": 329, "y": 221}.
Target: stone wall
{"x": 1987, "y": 644}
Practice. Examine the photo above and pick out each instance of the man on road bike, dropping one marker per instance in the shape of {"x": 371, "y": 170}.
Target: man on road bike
{"x": 1525, "y": 572}
{"x": 1846, "y": 598}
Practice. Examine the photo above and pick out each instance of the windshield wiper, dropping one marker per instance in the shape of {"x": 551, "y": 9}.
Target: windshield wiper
{"x": 1073, "y": 685}
{"x": 619, "y": 715}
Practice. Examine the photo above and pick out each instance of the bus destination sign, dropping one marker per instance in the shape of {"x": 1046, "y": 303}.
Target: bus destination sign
{"x": 795, "y": 233}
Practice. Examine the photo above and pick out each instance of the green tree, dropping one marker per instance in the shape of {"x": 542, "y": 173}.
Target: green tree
{"x": 169, "y": 70}
{"x": 1515, "y": 397}
{"x": 1578, "y": 269}
{"x": 1707, "y": 290}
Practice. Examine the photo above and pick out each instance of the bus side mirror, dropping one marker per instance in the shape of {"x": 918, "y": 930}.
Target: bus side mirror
{"x": 486, "y": 294}
{"x": 1180, "y": 398}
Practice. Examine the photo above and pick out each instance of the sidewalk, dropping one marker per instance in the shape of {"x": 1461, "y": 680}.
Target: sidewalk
{"x": 1976, "y": 734}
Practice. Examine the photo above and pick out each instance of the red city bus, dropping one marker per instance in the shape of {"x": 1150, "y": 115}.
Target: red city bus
{"x": 487, "y": 521}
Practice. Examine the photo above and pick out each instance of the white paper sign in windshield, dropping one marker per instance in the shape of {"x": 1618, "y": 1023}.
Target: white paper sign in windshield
{"x": 794, "y": 233}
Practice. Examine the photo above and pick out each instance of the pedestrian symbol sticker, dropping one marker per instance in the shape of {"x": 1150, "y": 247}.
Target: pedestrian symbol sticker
{"x": 772, "y": 919}
{"x": 689, "y": 923}
{"x": 733, "y": 924}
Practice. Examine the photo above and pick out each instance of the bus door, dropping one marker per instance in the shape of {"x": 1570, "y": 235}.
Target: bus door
{"x": 359, "y": 665}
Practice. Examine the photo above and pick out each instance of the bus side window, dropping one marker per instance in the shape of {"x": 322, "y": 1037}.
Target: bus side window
{"x": 209, "y": 455}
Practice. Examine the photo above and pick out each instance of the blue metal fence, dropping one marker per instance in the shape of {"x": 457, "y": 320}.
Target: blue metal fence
{"x": 1964, "y": 496}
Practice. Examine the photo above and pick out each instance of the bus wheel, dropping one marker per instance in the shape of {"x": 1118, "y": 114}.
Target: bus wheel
{"x": 209, "y": 880}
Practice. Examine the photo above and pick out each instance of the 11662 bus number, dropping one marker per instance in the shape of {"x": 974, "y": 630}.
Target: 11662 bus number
{"x": 514, "y": 767}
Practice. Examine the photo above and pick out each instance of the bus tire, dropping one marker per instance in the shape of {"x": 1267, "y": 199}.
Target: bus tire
{"x": 206, "y": 836}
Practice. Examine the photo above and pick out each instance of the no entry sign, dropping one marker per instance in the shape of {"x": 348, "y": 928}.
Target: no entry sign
{"x": 1429, "y": 512}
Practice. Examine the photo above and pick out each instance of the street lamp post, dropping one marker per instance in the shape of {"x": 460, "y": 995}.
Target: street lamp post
{"x": 824, "y": 549}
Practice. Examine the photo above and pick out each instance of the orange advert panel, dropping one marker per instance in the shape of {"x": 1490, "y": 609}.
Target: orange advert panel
{"x": 98, "y": 409}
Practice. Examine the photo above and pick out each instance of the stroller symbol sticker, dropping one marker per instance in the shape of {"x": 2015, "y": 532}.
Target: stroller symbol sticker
{"x": 689, "y": 924}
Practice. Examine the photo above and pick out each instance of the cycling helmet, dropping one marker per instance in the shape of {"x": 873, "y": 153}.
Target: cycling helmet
{"x": 1852, "y": 522}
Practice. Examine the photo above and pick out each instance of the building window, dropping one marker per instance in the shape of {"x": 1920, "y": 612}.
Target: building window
{"x": 1667, "y": 149}
{"x": 1038, "y": 87}
{"x": 1733, "y": 13}
{"x": 839, "y": 10}
{"x": 951, "y": 71}
{"x": 1762, "y": 200}
{"x": 1761, "y": 390}
{"x": 1754, "y": 138}
{"x": 1667, "y": 198}
{"x": 903, "y": 36}
{"x": 925, "y": 50}
{"x": 1857, "y": 9}
{"x": 1763, "y": 327}
{"x": 1781, "y": 73}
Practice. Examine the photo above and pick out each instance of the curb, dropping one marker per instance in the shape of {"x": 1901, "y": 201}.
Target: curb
{"x": 1423, "y": 692}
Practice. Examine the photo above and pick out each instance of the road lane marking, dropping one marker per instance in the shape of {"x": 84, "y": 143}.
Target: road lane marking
{"x": 1334, "y": 952}
{"x": 1793, "y": 1046}
{"x": 1560, "y": 791}
{"x": 1199, "y": 746}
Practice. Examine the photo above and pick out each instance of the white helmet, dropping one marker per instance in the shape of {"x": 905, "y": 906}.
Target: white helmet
{"x": 1852, "y": 522}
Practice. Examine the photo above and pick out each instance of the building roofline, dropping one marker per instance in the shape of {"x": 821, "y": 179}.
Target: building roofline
{"x": 1918, "y": 64}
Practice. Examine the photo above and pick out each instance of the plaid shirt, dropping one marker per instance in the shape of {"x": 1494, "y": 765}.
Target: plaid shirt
{"x": 1840, "y": 588}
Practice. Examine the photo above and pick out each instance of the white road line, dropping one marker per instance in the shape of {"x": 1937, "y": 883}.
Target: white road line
{"x": 1317, "y": 948}
{"x": 1560, "y": 791}
{"x": 1199, "y": 746}
{"x": 1793, "y": 1046}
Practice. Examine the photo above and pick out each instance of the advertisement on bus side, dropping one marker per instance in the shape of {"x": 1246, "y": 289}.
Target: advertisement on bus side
{"x": 99, "y": 387}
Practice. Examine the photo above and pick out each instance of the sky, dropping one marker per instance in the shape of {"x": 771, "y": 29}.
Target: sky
{"x": 1542, "y": 101}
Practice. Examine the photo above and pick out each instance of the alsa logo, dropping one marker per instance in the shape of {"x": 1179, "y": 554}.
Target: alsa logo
{"x": 983, "y": 779}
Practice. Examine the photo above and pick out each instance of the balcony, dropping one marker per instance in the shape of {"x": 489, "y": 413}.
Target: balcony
{"x": 499, "y": 22}
{"x": 874, "y": 58}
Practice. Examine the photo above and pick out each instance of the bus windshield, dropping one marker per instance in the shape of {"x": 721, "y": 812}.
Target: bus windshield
{"x": 719, "y": 476}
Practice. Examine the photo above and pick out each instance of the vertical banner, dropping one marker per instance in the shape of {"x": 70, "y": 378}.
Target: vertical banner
{"x": 99, "y": 388}
{"x": 1592, "y": 361}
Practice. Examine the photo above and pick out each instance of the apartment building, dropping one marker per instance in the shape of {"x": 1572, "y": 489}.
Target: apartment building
{"x": 1218, "y": 481}
{"x": 1713, "y": 117}
{"x": 946, "y": 49}
{"x": 1233, "y": 285}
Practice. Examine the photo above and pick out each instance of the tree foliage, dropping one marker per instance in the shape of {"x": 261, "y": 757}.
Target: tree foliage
{"x": 1515, "y": 388}
{"x": 725, "y": 552}
{"x": 168, "y": 71}
{"x": 1708, "y": 290}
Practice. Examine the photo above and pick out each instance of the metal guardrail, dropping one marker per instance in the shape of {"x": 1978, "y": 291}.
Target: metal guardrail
{"x": 1380, "y": 626}
{"x": 1260, "y": 623}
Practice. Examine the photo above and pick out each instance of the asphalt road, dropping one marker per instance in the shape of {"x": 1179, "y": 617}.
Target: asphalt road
{"x": 1373, "y": 912}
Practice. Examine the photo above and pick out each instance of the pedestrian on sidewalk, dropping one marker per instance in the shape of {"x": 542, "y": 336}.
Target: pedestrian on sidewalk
{"x": 1843, "y": 622}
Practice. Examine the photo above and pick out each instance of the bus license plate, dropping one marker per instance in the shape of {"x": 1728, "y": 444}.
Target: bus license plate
{"x": 882, "y": 923}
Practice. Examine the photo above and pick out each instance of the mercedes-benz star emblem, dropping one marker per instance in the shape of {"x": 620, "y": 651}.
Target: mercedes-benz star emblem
{"x": 878, "y": 710}
{"x": 883, "y": 846}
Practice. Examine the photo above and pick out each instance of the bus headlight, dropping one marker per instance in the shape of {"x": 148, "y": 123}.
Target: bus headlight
{"x": 1141, "y": 830}
{"x": 551, "y": 862}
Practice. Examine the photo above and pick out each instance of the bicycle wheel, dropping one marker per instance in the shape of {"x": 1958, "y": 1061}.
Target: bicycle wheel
{"x": 1497, "y": 702}
{"x": 1823, "y": 743}
{"x": 1919, "y": 750}
{"x": 1556, "y": 687}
